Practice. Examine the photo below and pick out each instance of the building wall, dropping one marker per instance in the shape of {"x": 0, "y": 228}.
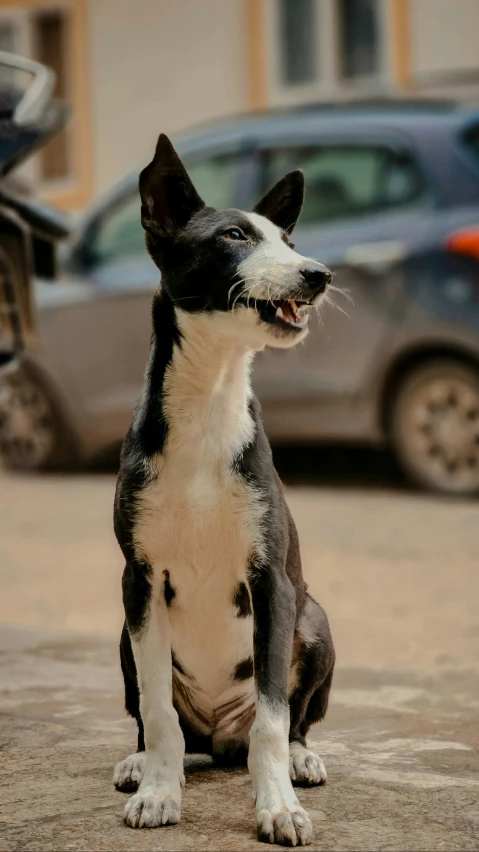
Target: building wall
{"x": 445, "y": 36}
{"x": 137, "y": 67}
{"x": 160, "y": 65}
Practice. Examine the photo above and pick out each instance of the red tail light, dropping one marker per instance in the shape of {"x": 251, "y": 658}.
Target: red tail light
{"x": 465, "y": 242}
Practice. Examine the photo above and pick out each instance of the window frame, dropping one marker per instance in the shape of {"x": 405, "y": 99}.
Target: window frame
{"x": 23, "y": 21}
{"x": 75, "y": 189}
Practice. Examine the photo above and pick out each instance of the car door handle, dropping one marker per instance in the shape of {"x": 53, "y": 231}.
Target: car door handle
{"x": 377, "y": 255}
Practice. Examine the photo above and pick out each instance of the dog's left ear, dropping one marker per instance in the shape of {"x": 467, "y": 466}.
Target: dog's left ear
{"x": 283, "y": 202}
{"x": 168, "y": 197}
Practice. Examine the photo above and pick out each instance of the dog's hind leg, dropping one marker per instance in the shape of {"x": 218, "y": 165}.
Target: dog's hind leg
{"x": 310, "y": 683}
{"x": 129, "y": 772}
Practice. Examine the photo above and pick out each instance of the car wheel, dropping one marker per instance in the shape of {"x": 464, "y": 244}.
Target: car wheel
{"x": 31, "y": 435}
{"x": 435, "y": 427}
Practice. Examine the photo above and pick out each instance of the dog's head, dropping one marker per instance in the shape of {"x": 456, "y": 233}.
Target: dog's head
{"x": 240, "y": 266}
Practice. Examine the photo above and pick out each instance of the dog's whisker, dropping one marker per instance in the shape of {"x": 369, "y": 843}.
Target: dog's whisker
{"x": 342, "y": 292}
{"x": 246, "y": 291}
{"x": 183, "y": 298}
{"x": 327, "y": 300}
{"x": 239, "y": 293}
{"x": 242, "y": 292}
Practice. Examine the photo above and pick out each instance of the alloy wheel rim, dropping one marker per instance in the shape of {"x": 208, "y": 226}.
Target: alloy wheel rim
{"x": 441, "y": 431}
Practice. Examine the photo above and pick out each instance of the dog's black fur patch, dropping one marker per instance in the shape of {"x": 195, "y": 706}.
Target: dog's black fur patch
{"x": 169, "y": 591}
{"x": 132, "y": 693}
{"x": 244, "y": 670}
{"x": 315, "y": 665}
{"x": 136, "y": 593}
{"x": 242, "y": 601}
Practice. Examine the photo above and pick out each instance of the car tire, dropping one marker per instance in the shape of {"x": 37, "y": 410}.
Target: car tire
{"x": 32, "y": 434}
{"x": 435, "y": 427}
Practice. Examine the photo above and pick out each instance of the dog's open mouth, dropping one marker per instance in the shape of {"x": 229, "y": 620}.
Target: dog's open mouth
{"x": 284, "y": 313}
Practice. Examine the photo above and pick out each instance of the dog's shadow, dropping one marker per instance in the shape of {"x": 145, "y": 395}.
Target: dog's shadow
{"x": 198, "y": 765}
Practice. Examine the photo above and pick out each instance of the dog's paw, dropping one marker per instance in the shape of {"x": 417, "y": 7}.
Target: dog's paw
{"x": 288, "y": 828}
{"x": 306, "y": 769}
{"x": 129, "y": 772}
{"x": 149, "y": 810}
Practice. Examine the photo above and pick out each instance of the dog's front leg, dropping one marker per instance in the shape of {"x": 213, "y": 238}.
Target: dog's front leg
{"x": 158, "y": 800}
{"x": 280, "y": 817}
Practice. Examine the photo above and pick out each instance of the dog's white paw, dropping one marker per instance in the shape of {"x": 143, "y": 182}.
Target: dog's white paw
{"x": 152, "y": 809}
{"x": 306, "y": 769}
{"x": 288, "y": 828}
{"x": 129, "y": 772}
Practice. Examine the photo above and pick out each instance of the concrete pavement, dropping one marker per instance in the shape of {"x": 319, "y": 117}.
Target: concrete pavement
{"x": 398, "y": 574}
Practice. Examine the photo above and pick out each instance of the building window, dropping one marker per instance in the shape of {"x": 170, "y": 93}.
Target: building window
{"x": 298, "y": 45}
{"x": 359, "y": 37}
{"x": 49, "y": 39}
{"x": 55, "y": 32}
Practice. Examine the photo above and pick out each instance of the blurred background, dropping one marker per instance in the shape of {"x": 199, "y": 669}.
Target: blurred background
{"x": 130, "y": 69}
{"x": 374, "y": 99}
{"x": 374, "y": 421}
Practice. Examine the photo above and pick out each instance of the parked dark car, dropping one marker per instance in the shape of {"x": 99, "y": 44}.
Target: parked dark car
{"x": 392, "y": 205}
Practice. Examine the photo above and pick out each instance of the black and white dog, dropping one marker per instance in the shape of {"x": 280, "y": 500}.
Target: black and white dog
{"x": 223, "y": 651}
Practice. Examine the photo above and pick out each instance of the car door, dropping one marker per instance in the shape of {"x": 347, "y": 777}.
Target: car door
{"x": 367, "y": 205}
{"x": 102, "y": 338}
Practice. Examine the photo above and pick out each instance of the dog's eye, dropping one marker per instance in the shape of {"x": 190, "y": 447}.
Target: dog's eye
{"x": 234, "y": 234}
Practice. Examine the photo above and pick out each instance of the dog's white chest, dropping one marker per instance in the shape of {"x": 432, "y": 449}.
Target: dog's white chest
{"x": 200, "y": 523}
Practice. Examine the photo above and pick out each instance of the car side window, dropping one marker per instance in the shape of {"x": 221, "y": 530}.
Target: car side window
{"x": 216, "y": 178}
{"x": 345, "y": 181}
{"x": 119, "y": 234}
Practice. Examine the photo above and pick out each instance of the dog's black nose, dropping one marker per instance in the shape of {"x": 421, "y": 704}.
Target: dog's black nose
{"x": 317, "y": 278}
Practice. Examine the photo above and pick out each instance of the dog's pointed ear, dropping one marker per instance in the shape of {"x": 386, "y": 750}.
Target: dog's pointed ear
{"x": 168, "y": 197}
{"x": 283, "y": 202}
